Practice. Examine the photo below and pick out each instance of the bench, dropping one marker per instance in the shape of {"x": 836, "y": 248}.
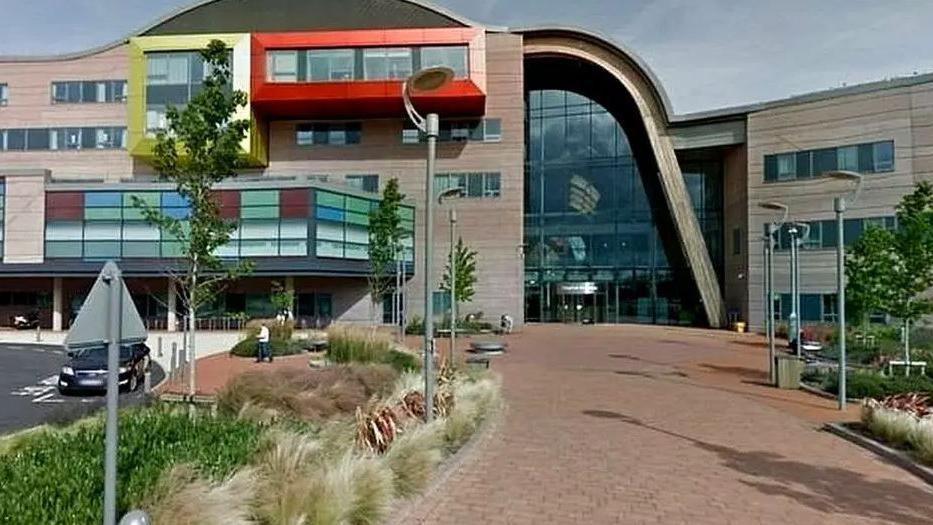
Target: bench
{"x": 922, "y": 365}
{"x": 477, "y": 361}
{"x": 487, "y": 347}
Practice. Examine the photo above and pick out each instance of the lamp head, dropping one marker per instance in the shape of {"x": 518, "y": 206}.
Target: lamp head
{"x": 772, "y": 205}
{"x": 448, "y": 193}
{"x": 845, "y": 175}
{"x": 429, "y": 79}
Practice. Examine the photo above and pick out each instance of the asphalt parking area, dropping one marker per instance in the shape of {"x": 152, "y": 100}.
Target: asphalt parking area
{"x": 28, "y": 377}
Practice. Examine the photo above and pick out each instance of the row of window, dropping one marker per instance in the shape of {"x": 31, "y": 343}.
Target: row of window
{"x": 823, "y": 234}
{"x": 474, "y": 184}
{"x": 484, "y": 130}
{"x": 43, "y": 139}
{"x": 88, "y": 91}
{"x": 172, "y": 79}
{"x": 376, "y": 63}
{"x": 344, "y": 133}
{"x": 342, "y": 229}
{"x": 871, "y": 157}
{"x": 814, "y": 307}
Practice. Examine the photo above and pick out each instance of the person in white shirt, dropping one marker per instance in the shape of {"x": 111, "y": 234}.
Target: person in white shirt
{"x": 263, "y": 346}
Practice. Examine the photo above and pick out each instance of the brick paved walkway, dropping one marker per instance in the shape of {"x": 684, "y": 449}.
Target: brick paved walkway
{"x": 627, "y": 424}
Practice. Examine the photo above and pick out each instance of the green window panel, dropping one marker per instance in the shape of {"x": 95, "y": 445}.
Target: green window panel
{"x": 358, "y": 205}
{"x": 64, "y": 231}
{"x": 229, "y": 250}
{"x": 356, "y": 251}
{"x": 102, "y": 214}
{"x": 62, "y": 249}
{"x": 259, "y": 229}
{"x": 140, "y": 249}
{"x": 150, "y": 198}
{"x": 259, "y": 198}
{"x": 357, "y": 218}
{"x": 334, "y": 200}
{"x": 102, "y": 231}
{"x": 101, "y": 249}
{"x": 140, "y": 231}
{"x": 329, "y": 249}
{"x": 168, "y": 236}
{"x": 172, "y": 249}
{"x": 293, "y": 248}
{"x": 259, "y": 212}
{"x": 406, "y": 213}
{"x": 134, "y": 214}
{"x": 408, "y": 226}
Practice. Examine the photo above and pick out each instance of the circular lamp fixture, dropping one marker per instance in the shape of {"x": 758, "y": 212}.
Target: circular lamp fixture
{"x": 430, "y": 79}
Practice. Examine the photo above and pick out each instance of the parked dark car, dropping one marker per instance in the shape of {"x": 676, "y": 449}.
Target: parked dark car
{"x": 87, "y": 369}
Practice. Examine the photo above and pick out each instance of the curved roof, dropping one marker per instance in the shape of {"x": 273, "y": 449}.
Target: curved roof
{"x": 245, "y": 16}
{"x": 620, "y": 50}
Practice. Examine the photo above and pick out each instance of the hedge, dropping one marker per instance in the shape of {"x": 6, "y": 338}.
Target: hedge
{"x": 58, "y": 477}
{"x": 876, "y": 386}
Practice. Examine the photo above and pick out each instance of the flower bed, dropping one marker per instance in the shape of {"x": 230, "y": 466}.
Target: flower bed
{"x": 903, "y": 421}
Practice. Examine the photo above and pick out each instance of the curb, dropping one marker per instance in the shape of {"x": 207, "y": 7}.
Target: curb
{"x": 818, "y": 392}
{"x": 894, "y": 456}
{"x": 403, "y": 513}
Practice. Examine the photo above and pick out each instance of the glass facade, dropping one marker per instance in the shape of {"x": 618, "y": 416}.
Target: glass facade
{"x": 94, "y": 225}
{"x": 870, "y": 157}
{"x": 172, "y": 79}
{"x": 597, "y": 241}
{"x": 371, "y": 63}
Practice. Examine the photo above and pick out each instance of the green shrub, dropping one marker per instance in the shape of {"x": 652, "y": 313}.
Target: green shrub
{"x": 415, "y": 326}
{"x": 250, "y": 347}
{"x": 352, "y": 344}
{"x": 875, "y": 386}
{"x": 58, "y": 477}
{"x": 402, "y": 361}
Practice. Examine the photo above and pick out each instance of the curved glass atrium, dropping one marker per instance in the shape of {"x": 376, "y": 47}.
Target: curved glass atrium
{"x": 599, "y": 246}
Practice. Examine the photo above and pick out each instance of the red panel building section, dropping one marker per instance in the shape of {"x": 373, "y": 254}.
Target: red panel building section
{"x": 359, "y": 98}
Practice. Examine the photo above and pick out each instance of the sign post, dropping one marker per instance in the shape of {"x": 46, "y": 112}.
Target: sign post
{"x": 108, "y": 300}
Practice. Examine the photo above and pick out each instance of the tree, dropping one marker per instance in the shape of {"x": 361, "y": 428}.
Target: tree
{"x": 893, "y": 271}
{"x": 465, "y": 265}
{"x": 283, "y": 300}
{"x": 385, "y": 242}
{"x": 201, "y": 148}
{"x": 867, "y": 264}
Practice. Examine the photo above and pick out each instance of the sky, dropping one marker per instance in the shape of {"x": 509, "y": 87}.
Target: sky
{"x": 708, "y": 54}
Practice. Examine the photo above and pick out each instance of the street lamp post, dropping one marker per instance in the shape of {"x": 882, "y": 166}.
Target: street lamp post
{"x": 839, "y": 206}
{"x": 423, "y": 81}
{"x": 794, "y": 314}
{"x": 770, "y": 229}
{"x": 453, "y": 193}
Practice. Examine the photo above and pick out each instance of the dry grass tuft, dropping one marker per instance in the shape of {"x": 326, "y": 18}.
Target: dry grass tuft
{"x": 308, "y": 395}
{"x": 183, "y": 498}
{"x": 413, "y": 457}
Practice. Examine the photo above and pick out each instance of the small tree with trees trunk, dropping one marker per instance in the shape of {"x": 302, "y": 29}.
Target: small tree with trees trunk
{"x": 385, "y": 243}
{"x": 200, "y": 148}
{"x": 465, "y": 275}
{"x": 891, "y": 271}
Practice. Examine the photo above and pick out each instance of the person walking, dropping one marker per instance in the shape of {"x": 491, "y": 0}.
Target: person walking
{"x": 263, "y": 346}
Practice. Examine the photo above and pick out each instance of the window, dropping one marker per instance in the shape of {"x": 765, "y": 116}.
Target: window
{"x": 88, "y": 91}
{"x": 342, "y": 226}
{"x": 737, "y": 241}
{"x": 392, "y": 63}
{"x": 45, "y": 139}
{"x": 330, "y": 65}
{"x": 786, "y": 166}
{"x": 485, "y": 130}
{"x": 283, "y": 66}
{"x": 4, "y": 94}
{"x": 814, "y": 238}
{"x": 172, "y": 78}
{"x": 829, "y": 308}
{"x": 870, "y": 157}
{"x": 324, "y": 133}
{"x": 454, "y": 57}
{"x": 473, "y": 185}
{"x": 369, "y": 183}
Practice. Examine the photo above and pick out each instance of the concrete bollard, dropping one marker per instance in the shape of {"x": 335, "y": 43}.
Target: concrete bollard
{"x": 147, "y": 382}
{"x": 159, "y": 346}
{"x": 38, "y": 334}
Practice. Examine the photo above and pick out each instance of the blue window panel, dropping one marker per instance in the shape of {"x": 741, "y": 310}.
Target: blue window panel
{"x": 103, "y": 199}
{"x": 176, "y": 213}
{"x": 329, "y": 214}
{"x": 172, "y": 199}
{"x": 101, "y": 249}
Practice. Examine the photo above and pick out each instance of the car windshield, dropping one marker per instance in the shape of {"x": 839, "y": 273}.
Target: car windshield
{"x": 101, "y": 352}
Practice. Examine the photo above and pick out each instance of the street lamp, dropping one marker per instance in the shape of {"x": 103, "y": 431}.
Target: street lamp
{"x": 452, "y": 193}
{"x": 770, "y": 229}
{"x": 424, "y": 81}
{"x": 839, "y": 205}
{"x": 798, "y": 231}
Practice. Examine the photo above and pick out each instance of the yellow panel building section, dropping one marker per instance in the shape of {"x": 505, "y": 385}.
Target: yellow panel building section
{"x": 140, "y": 145}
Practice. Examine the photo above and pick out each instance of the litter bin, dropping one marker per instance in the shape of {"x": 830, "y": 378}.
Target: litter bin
{"x": 788, "y": 368}
{"x": 739, "y": 326}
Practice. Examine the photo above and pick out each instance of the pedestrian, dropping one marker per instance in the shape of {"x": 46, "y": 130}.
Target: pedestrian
{"x": 263, "y": 346}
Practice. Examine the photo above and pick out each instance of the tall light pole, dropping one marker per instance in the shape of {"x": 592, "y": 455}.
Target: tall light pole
{"x": 839, "y": 206}
{"x": 452, "y": 193}
{"x": 770, "y": 229}
{"x": 794, "y": 316}
{"x": 424, "y": 81}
